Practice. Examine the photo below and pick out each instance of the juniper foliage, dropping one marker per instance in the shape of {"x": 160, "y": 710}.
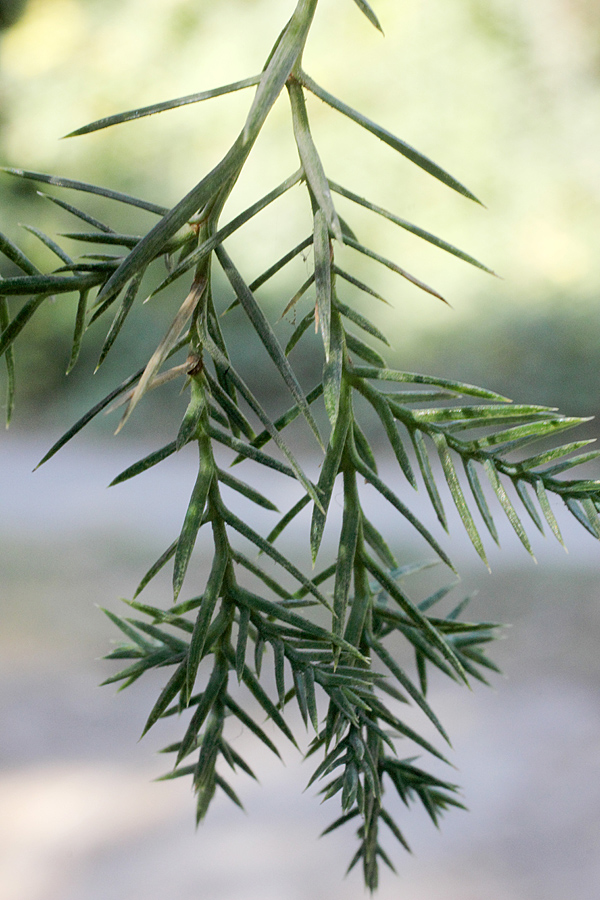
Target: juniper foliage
{"x": 323, "y": 639}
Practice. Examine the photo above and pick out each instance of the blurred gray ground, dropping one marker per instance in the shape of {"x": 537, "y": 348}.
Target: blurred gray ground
{"x": 81, "y": 818}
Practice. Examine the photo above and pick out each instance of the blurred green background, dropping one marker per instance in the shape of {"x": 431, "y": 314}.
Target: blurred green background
{"x": 503, "y": 93}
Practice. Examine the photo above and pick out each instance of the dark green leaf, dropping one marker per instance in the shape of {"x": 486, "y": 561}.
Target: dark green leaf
{"x": 388, "y": 660}
{"x": 158, "y": 659}
{"x": 130, "y": 632}
{"x": 571, "y": 463}
{"x": 361, "y": 321}
{"x": 227, "y": 789}
{"x": 162, "y": 560}
{"x": 434, "y": 598}
{"x": 366, "y": 9}
{"x": 250, "y": 724}
{"x": 267, "y": 704}
{"x": 333, "y": 371}
{"x": 271, "y": 583}
{"x": 364, "y": 351}
{"x": 408, "y": 226}
{"x": 9, "y": 357}
{"x": 110, "y": 239}
{"x": 164, "y": 106}
{"x": 299, "y": 330}
{"x": 394, "y": 829}
{"x": 193, "y": 519}
{"x": 146, "y": 463}
{"x": 267, "y": 548}
{"x": 428, "y": 478}
{"x": 102, "y": 266}
{"x": 24, "y": 285}
{"x": 350, "y": 786}
{"x": 79, "y": 329}
{"x": 279, "y": 668}
{"x": 585, "y": 512}
{"x": 526, "y": 433}
{"x": 363, "y": 447}
{"x": 346, "y": 552}
{"x": 215, "y": 687}
{"x": 246, "y": 490}
{"x": 346, "y": 707}
{"x": 547, "y": 510}
{"x": 16, "y": 325}
{"x": 378, "y": 544}
{"x": 300, "y": 691}
{"x": 335, "y": 758}
{"x": 413, "y": 378}
{"x": 528, "y": 504}
{"x": 95, "y": 223}
{"x": 234, "y": 759}
{"x": 359, "y": 284}
{"x": 404, "y": 729}
{"x": 341, "y": 821}
{"x": 311, "y": 699}
{"x": 248, "y": 451}
{"x": 267, "y": 336}
{"x": 287, "y": 518}
{"x": 479, "y": 496}
{"x": 168, "y": 693}
{"x": 322, "y": 248}
{"x": 395, "y": 143}
{"x": 395, "y": 501}
{"x": 329, "y": 471}
{"x": 295, "y": 299}
{"x": 555, "y": 453}
{"x": 234, "y": 414}
{"x": 379, "y": 403}
{"x": 88, "y": 188}
{"x": 383, "y": 855}
{"x": 81, "y": 423}
{"x": 431, "y": 634}
{"x": 355, "y": 859}
{"x": 198, "y": 644}
{"x": 242, "y": 641}
{"x": 285, "y": 259}
{"x": 167, "y": 617}
{"x": 10, "y": 250}
{"x": 117, "y": 324}
{"x": 162, "y": 636}
{"x": 388, "y": 263}
{"x": 457, "y": 494}
{"x": 259, "y": 649}
{"x": 52, "y": 245}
